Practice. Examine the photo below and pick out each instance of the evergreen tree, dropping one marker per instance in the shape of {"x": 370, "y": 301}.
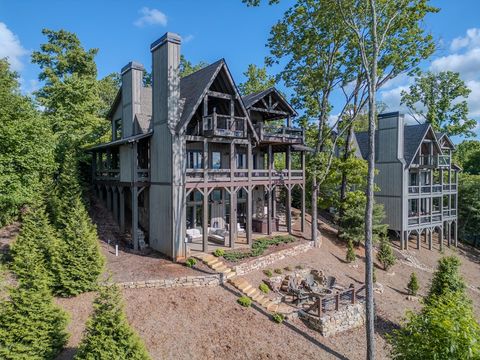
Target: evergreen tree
{"x": 444, "y": 329}
{"x": 413, "y": 285}
{"x": 39, "y": 237}
{"x": 385, "y": 254}
{"x": 26, "y": 151}
{"x": 351, "y": 256}
{"x": 31, "y": 325}
{"x": 108, "y": 334}
{"x": 187, "y": 68}
{"x": 81, "y": 261}
{"x": 446, "y": 278}
{"x": 257, "y": 80}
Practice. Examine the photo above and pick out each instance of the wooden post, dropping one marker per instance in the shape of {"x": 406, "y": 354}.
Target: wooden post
{"x": 430, "y": 238}
{"x": 270, "y": 188}
{"x": 418, "y": 240}
{"x": 289, "y": 209}
{"x": 233, "y": 217}
{"x": 205, "y": 160}
{"x": 354, "y": 296}
{"x": 115, "y": 203}
{"x": 122, "y": 208}
{"x": 248, "y": 229}
{"x": 232, "y": 160}
{"x": 134, "y": 190}
{"x": 303, "y": 192}
{"x": 205, "y": 220}
{"x": 337, "y": 301}
{"x": 269, "y": 210}
{"x": 440, "y": 237}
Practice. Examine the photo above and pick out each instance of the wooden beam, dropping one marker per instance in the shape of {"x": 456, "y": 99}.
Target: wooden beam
{"x": 205, "y": 221}
{"x": 219, "y": 95}
{"x": 122, "y": 208}
{"x": 277, "y": 112}
{"x": 248, "y": 226}
{"x": 233, "y": 217}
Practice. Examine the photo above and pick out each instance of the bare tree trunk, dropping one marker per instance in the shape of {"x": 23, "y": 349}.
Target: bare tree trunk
{"x": 372, "y": 84}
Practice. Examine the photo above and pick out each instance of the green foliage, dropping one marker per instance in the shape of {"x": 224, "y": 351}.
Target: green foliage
{"x": 413, "y": 285}
{"x": 374, "y": 274}
{"x": 385, "y": 253}
{"x": 37, "y": 237}
{"x": 187, "y": 68}
{"x": 446, "y": 278}
{"x": 350, "y": 256}
{"x": 278, "y": 318}
{"x": 191, "y": 262}
{"x": 219, "y": 252}
{"x": 71, "y": 94}
{"x": 257, "y": 80}
{"x": 468, "y": 206}
{"x": 268, "y": 272}
{"x": 444, "y": 97}
{"x": 444, "y": 329}
{"x": 107, "y": 90}
{"x": 264, "y": 288}
{"x": 108, "y": 334}
{"x": 258, "y": 247}
{"x": 278, "y": 271}
{"x": 245, "y": 301}
{"x": 31, "y": 325}
{"x": 26, "y": 151}
{"x": 467, "y": 155}
{"x": 353, "y": 220}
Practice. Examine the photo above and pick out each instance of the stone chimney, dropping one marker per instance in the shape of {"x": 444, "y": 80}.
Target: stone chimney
{"x": 132, "y": 82}
{"x": 390, "y": 138}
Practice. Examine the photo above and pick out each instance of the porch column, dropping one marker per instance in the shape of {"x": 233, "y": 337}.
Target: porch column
{"x": 269, "y": 210}
{"x": 430, "y": 236}
{"x": 449, "y": 233}
{"x": 233, "y": 217}
{"x": 455, "y": 234}
{"x": 418, "y": 240}
{"x": 402, "y": 240}
{"x": 303, "y": 191}
{"x": 134, "y": 190}
{"x": 440, "y": 237}
{"x": 122, "y": 208}
{"x": 248, "y": 229}
{"x": 289, "y": 208}
{"x": 205, "y": 220}
{"x": 232, "y": 160}
{"x": 205, "y": 160}
{"x": 115, "y": 203}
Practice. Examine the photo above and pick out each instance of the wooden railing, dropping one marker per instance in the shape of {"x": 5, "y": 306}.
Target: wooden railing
{"x": 334, "y": 302}
{"x": 280, "y": 133}
{"x": 224, "y": 125}
{"x": 195, "y": 175}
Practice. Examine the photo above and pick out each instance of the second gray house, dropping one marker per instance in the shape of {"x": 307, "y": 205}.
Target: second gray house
{"x": 417, "y": 179}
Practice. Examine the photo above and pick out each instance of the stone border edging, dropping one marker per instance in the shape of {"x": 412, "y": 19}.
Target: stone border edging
{"x": 184, "y": 281}
{"x": 264, "y": 261}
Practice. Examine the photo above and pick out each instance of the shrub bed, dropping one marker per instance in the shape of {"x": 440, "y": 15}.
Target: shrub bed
{"x": 258, "y": 247}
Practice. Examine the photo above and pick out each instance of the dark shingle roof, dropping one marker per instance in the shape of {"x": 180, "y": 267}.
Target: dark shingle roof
{"x": 251, "y": 99}
{"x": 413, "y": 136}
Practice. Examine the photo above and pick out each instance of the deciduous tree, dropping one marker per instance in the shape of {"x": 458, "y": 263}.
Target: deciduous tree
{"x": 257, "y": 80}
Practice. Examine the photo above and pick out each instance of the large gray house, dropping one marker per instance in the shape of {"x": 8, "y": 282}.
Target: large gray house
{"x": 417, "y": 179}
{"x": 191, "y": 164}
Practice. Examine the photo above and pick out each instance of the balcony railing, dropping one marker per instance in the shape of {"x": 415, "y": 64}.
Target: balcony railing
{"x": 432, "y": 160}
{"x": 424, "y": 218}
{"x": 224, "y": 125}
{"x": 108, "y": 175}
{"x": 198, "y": 175}
{"x": 428, "y": 189}
{"x": 282, "y": 134}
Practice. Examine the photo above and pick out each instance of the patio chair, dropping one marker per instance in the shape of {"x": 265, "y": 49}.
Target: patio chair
{"x": 298, "y": 294}
{"x": 240, "y": 230}
{"x": 331, "y": 281}
{"x": 194, "y": 235}
{"x": 310, "y": 283}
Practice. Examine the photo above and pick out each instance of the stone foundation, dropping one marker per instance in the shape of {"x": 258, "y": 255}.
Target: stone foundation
{"x": 348, "y": 317}
{"x": 264, "y": 261}
{"x": 185, "y": 281}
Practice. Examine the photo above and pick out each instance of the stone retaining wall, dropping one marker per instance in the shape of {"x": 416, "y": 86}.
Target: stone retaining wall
{"x": 264, "y": 261}
{"x": 184, "y": 281}
{"x": 347, "y": 318}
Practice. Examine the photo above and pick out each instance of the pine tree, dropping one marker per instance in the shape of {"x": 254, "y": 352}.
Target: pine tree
{"x": 413, "y": 285}
{"x": 350, "y": 257}
{"x": 81, "y": 261}
{"x": 31, "y": 325}
{"x": 108, "y": 334}
{"x": 446, "y": 278}
{"x": 385, "y": 254}
{"x": 39, "y": 237}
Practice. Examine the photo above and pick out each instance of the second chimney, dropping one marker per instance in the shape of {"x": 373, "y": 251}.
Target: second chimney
{"x": 132, "y": 82}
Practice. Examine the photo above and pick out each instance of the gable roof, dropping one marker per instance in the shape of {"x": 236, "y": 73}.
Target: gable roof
{"x": 251, "y": 99}
{"x": 413, "y": 137}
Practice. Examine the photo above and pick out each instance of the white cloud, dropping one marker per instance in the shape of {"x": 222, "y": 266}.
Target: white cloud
{"x": 11, "y": 48}
{"x": 470, "y": 40}
{"x": 187, "y": 38}
{"x": 391, "y": 98}
{"x": 151, "y": 17}
{"x": 467, "y": 64}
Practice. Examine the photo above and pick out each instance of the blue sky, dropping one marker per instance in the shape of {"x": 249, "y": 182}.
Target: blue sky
{"x": 211, "y": 29}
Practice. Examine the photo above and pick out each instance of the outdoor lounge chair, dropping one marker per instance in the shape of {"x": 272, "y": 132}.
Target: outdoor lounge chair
{"x": 298, "y": 294}
{"x": 194, "y": 235}
{"x": 217, "y": 235}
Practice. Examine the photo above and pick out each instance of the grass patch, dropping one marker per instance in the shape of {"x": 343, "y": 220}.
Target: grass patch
{"x": 258, "y": 247}
{"x": 278, "y": 271}
{"x": 278, "y": 318}
{"x": 264, "y": 288}
{"x": 245, "y": 301}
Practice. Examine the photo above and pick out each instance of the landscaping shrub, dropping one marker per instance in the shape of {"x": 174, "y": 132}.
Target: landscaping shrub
{"x": 258, "y": 247}
{"x": 287, "y": 268}
{"x": 413, "y": 285}
{"x": 108, "y": 334}
{"x": 447, "y": 277}
{"x": 385, "y": 254}
{"x": 278, "y": 318}
{"x": 245, "y": 301}
{"x": 219, "y": 252}
{"x": 191, "y": 262}
{"x": 268, "y": 272}
{"x": 278, "y": 271}
{"x": 350, "y": 256}
{"x": 264, "y": 288}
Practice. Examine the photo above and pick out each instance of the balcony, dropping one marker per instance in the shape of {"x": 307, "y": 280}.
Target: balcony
{"x": 108, "y": 175}
{"x": 280, "y": 134}
{"x": 424, "y": 218}
{"x": 225, "y": 175}
{"x": 431, "y": 189}
{"x": 224, "y": 126}
{"x": 432, "y": 161}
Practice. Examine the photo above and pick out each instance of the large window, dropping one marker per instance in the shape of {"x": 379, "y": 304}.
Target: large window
{"x": 194, "y": 159}
{"x": 216, "y": 160}
{"x": 412, "y": 207}
{"x": 436, "y": 204}
{"x": 241, "y": 161}
{"x": 413, "y": 179}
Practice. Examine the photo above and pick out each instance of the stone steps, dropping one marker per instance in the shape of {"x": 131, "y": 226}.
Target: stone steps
{"x": 216, "y": 264}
